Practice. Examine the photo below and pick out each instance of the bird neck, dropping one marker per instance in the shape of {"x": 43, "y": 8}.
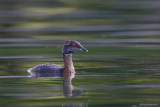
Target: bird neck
{"x": 68, "y": 64}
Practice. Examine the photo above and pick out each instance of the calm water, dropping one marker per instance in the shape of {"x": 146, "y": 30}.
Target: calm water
{"x": 107, "y": 80}
{"x": 121, "y": 68}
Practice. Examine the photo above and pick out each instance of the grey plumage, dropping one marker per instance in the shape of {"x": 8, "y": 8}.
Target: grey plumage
{"x": 46, "y": 70}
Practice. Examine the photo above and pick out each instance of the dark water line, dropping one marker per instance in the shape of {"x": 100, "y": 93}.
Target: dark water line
{"x": 59, "y": 56}
{"x": 13, "y": 76}
{"x": 134, "y": 86}
{"x": 57, "y": 76}
{"x": 95, "y": 75}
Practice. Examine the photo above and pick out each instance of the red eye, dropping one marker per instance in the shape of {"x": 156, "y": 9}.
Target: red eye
{"x": 74, "y": 45}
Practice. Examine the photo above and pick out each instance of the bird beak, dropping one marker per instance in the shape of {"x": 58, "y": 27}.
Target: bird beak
{"x": 83, "y": 49}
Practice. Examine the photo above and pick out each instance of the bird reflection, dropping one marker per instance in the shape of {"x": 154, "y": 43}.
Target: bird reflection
{"x": 69, "y": 91}
{"x": 67, "y": 84}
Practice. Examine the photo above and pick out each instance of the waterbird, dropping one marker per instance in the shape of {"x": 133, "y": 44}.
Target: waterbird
{"x": 51, "y": 70}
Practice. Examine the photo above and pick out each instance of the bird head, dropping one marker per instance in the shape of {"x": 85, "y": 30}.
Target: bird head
{"x": 71, "y": 46}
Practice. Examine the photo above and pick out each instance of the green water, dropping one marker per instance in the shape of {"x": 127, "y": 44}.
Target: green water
{"x": 121, "y": 68}
{"x": 102, "y": 79}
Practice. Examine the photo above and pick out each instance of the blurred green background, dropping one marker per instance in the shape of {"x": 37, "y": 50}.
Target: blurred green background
{"x": 122, "y": 37}
{"x": 123, "y": 29}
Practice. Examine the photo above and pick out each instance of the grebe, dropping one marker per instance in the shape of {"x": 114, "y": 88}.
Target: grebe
{"x": 51, "y": 70}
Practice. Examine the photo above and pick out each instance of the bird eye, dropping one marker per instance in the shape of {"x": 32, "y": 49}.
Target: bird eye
{"x": 74, "y": 45}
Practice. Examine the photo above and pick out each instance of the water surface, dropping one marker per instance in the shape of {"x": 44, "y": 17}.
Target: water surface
{"x": 122, "y": 65}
